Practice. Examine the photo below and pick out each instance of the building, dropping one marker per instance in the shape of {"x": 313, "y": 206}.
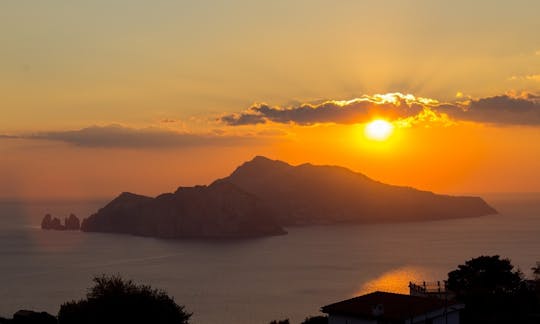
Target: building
{"x": 389, "y": 308}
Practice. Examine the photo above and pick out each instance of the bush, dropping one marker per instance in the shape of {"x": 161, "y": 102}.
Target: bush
{"x": 492, "y": 290}
{"x": 285, "y": 321}
{"x": 114, "y": 300}
{"x": 316, "y": 320}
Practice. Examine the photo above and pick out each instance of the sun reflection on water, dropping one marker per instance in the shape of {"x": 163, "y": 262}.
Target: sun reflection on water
{"x": 396, "y": 281}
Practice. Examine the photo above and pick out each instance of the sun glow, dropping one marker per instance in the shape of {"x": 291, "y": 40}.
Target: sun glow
{"x": 396, "y": 281}
{"x": 379, "y": 130}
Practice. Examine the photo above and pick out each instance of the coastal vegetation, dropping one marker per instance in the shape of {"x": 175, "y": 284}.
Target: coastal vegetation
{"x": 115, "y": 300}
{"x": 494, "y": 291}
{"x": 112, "y": 299}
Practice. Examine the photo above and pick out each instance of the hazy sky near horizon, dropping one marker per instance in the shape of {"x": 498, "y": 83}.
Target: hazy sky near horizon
{"x": 99, "y": 97}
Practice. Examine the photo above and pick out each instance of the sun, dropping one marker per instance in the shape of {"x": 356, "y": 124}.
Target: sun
{"x": 379, "y": 130}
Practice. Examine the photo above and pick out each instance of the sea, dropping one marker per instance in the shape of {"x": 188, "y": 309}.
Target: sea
{"x": 253, "y": 280}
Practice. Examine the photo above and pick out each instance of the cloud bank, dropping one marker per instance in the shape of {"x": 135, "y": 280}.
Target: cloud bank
{"x": 500, "y": 110}
{"x": 116, "y": 136}
{"x": 3, "y": 136}
{"x": 503, "y": 109}
{"x": 341, "y": 112}
{"x": 404, "y": 110}
{"x": 528, "y": 77}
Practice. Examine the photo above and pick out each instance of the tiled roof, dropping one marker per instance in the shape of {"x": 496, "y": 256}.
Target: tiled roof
{"x": 395, "y": 306}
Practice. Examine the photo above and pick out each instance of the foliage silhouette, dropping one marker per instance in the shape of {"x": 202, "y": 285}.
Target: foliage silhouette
{"x": 24, "y": 316}
{"x": 316, "y": 320}
{"x": 536, "y": 271}
{"x": 115, "y": 300}
{"x": 484, "y": 276}
{"x": 285, "y": 321}
{"x": 492, "y": 290}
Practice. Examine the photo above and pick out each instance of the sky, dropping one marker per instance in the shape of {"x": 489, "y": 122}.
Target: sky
{"x": 100, "y": 97}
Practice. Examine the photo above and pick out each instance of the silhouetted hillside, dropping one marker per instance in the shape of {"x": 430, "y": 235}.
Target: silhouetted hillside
{"x": 308, "y": 194}
{"x": 263, "y": 195}
{"x": 219, "y": 210}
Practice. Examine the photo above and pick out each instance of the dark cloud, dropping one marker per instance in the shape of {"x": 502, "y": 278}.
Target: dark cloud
{"x": 115, "y": 136}
{"x": 504, "y": 109}
{"x": 243, "y": 119}
{"x": 341, "y": 112}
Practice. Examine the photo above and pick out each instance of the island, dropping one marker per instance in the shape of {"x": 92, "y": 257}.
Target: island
{"x": 263, "y": 196}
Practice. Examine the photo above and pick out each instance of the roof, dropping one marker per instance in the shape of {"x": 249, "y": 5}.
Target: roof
{"x": 395, "y": 306}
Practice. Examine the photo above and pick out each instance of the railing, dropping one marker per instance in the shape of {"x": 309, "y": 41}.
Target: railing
{"x": 426, "y": 287}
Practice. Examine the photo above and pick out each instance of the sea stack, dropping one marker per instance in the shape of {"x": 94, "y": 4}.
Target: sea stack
{"x": 71, "y": 223}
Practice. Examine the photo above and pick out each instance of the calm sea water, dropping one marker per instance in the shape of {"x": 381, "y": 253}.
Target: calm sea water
{"x": 257, "y": 280}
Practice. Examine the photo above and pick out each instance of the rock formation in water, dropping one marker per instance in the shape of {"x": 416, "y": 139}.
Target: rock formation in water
{"x": 219, "y": 210}
{"x": 263, "y": 195}
{"x": 46, "y": 222}
{"x": 70, "y": 223}
{"x": 50, "y": 223}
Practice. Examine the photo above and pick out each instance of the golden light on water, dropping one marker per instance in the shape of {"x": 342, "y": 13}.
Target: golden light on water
{"x": 396, "y": 281}
{"x": 379, "y": 130}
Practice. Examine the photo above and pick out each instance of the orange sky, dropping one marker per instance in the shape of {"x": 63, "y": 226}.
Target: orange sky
{"x": 101, "y": 97}
{"x": 463, "y": 158}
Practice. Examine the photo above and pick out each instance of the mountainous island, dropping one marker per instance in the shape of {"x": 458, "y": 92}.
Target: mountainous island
{"x": 263, "y": 196}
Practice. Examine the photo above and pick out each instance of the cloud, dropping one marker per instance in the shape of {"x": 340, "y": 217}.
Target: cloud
{"x": 244, "y": 119}
{"x": 501, "y": 110}
{"x": 391, "y": 106}
{"x": 529, "y": 77}
{"x": 404, "y": 109}
{"x": 116, "y": 136}
{"x": 3, "y": 136}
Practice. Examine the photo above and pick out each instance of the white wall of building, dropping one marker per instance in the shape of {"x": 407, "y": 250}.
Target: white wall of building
{"x": 335, "y": 319}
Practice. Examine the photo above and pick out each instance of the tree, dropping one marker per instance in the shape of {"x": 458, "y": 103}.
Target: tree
{"x": 536, "y": 271}
{"x": 484, "y": 276}
{"x": 492, "y": 290}
{"x": 115, "y": 300}
{"x": 315, "y": 320}
{"x": 285, "y": 321}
